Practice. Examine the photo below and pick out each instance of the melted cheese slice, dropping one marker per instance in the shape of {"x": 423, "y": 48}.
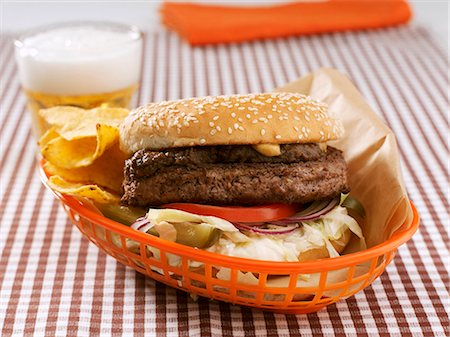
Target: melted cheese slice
{"x": 268, "y": 150}
{"x": 273, "y": 150}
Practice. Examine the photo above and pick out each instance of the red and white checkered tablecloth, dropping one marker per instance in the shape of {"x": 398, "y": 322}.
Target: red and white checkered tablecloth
{"x": 53, "y": 282}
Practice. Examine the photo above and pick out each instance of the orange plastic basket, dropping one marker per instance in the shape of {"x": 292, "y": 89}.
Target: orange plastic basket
{"x": 288, "y": 297}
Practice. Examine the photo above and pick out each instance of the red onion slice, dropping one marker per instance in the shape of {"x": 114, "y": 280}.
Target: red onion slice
{"x": 140, "y": 223}
{"x": 314, "y": 211}
{"x": 258, "y": 230}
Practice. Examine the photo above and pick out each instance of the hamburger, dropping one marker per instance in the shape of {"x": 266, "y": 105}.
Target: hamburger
{"x": 252, "y": 171}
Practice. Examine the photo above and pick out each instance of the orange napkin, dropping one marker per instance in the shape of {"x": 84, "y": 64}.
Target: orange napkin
{"x": 205, "y": 24}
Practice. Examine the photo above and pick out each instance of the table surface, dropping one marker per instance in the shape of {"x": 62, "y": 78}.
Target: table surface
{"x": 54, "y": 282}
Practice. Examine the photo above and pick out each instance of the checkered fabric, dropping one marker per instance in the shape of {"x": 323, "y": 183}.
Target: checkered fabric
{"x": 53, "y": 282}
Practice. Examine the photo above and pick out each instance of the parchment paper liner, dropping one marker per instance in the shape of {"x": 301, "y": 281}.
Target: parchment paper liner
{"x": 370, "y": 149}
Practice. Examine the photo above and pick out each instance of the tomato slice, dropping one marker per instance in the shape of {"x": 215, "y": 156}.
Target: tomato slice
{"x": 237, "y": 213}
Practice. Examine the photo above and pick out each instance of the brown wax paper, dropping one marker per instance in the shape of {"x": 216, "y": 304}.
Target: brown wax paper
{"x": 370, "y": 149}
{"x": 375, "y": 176}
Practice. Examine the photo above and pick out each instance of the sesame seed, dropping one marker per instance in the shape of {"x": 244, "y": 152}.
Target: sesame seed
{"x": 233, "y": 115}
{"x": 236, "y": 126}
{"x": 202, "y": 141}
{"x": 218, "y": 128}
{"x": 263, "y": 132}
{"x": 277, "y": 137}
{"x": 211, "y": 124}
{"x": 230, "y": 131}
{"x": 215, "y": 118}
{"x": 248, "y": 116}
{"x": 213, "y": 132}
{"x": 241, "y": 128}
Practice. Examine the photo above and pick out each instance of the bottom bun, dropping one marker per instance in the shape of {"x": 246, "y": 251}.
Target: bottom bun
{"x": 321, "y": 253}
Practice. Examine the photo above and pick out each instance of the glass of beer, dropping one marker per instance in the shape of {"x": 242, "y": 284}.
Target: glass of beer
{"x": 83, "y": 64}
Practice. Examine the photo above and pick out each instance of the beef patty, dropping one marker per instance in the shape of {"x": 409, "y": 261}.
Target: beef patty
{"x": 234, "y": 175}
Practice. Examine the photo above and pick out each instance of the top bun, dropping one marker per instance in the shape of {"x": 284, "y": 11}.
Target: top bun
{"x": 270, "y": 118}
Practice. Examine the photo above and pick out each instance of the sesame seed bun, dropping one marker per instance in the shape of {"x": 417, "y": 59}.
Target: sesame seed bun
{"x": 269, "y": 118}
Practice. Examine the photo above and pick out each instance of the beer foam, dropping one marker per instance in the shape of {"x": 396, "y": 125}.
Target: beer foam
{"x": 79, "y": 60}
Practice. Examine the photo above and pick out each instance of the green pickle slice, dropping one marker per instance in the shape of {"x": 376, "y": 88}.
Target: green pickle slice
{"x": 123, "y": 214}
{"x": 196, "y": 235}
{"x": 353, "y": 205}
{"x": 189, "y": 234}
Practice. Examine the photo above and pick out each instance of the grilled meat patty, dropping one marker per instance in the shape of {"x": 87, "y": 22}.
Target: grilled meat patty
{"x": 234, "y": 175}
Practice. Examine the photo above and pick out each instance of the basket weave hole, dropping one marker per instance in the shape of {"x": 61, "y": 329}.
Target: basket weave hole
{"x": 220, "y": 273}
{"x": 196, "y": 267}
{"x": 75, "y": 217}
{"x": 85, "y": 226}
{"x": 220, "y": 289}
{"x": 247, "y": 278}
{"x": 99, "y": 233}
{"x": 381, "y": 259}
{"x": 152, "y": 254}
{"x": 172, "y": 260}
{"x": 246, "y": 294}
{"x": 131, "y": 248}
{"x": 274, "y": 297}
{"x": 302, "y": 297}
{"x": 279, "y": 281}
{"x": 178, "y": 278}
{"x": 139, "y": 265}
{"x": 328, "y": 300}
{"x": 197, "y": 284}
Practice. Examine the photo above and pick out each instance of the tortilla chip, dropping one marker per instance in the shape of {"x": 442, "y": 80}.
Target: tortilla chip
{"x": 82, "y": 152}
{"x": 74, "y": 123}
{"x": 105, "y": 171}
{"x": 93, "y": 192}
{"x": 48, "y": 136}
{"x": 79, "y": 152}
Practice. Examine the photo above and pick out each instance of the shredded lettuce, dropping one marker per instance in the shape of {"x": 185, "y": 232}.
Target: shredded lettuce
{"x": 314, "y": 234}
{"x": 287, "y": 247}
{"x": 259, "y": 247}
